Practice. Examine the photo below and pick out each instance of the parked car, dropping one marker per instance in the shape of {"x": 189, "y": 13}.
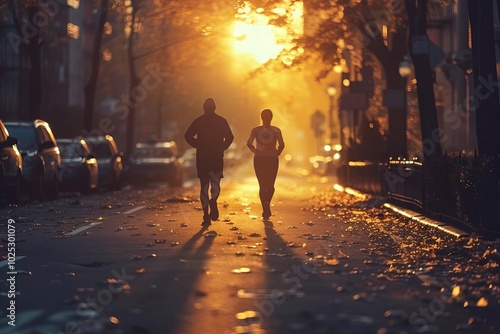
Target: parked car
{"x": 329, "y": 162}
{"x": 41, "y": 157}
{"x": 79, "y": 167}
{"x": 110, "y": 160}
{"x": 159, "y": 161}
{"x": 11, "y": 166}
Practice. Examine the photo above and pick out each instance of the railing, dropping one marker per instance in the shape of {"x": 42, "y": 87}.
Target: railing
{"x": 364, "y": 176}
{"x": 405, "y": 182}
{"x": 454, "y": 190}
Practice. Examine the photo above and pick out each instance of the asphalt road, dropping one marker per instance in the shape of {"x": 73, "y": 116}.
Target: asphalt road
{"x": 139, "y": 261}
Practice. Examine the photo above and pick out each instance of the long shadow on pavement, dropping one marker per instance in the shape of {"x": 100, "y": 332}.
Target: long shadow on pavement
{"x": 303, "y": 300}
{"x": 164, "y": 295}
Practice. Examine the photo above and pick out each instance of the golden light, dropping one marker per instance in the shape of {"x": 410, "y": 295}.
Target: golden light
{"x": 338, "y": 68}
{"x": 327, "y": 148}
{"x": 257, "y": 40}
{"x": 331, "y": 91}
{"x": 107, "y": 55}
{"x": 263, "y": 41}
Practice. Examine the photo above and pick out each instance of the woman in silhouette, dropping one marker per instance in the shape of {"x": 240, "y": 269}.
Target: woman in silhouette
{"x": 266, "y": 142}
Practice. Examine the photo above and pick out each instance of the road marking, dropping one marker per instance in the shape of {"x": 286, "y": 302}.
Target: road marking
{"x": 83, "y": 228}
{"x": 86, "y": 227}
{"x": 134, "y": 210}
{"x": 4, "y": 263}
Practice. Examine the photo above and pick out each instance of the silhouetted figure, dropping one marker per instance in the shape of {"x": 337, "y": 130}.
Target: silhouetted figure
{"x": 268, "y": 146}
{"x": 211, "y": 136}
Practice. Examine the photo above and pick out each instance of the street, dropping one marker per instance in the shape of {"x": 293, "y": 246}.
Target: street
{"x": 139, "y": 261}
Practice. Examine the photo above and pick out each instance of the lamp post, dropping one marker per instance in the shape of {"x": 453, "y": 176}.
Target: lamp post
{"x": 331, "y": 91}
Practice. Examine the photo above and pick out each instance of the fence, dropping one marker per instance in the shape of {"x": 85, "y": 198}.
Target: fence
{"x": 455, "y": 190}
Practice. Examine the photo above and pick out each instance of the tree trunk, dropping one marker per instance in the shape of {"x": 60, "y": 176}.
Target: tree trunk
{"x": 397, "y": 115}
{"x": 35, "y": 83}
{"x": 95, "y": 60}
{"x": 389, "y": 59}
{"x": 486, "y": 97}
{"x": 133, "y": 86}
{"x": 417, "y": 21}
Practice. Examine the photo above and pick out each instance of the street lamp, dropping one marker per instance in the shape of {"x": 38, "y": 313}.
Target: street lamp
{"x": 405, "y": 68}
{"x": 331, "y": 91}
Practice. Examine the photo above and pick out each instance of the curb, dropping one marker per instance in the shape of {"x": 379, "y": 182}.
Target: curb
{"x": 408, "y": 213}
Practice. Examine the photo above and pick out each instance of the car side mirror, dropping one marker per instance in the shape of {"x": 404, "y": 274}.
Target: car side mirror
{"x": 11, "y": 141}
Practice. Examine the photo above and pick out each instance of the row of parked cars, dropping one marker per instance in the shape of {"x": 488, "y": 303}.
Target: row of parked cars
{"x": 33, "y": 162}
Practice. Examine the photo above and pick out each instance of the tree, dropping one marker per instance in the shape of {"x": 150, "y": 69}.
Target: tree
{"x": 486, "y": 97}
{"x": 417, "y": 16}
{"x": 151, "y": 29}
{"x": 334, "y": 28}
{"x": 134, "y": 79}
{"x": 29, "y": 39}
{"x": 95, "y": 60}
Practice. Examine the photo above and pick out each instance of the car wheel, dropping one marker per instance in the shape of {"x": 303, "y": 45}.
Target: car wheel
{"x": 14, "y": 195}
{"x": 38, "y": 190}
{"x": 86, "y": 189}
{"x": 53, "y": 188}
{"x": 117, "y": 183}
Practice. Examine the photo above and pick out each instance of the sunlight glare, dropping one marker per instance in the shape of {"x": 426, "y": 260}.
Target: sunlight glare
{"x": 257, "y": 40}
{"x": 255, "y": 36}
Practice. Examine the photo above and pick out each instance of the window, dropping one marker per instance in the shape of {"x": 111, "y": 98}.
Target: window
{"x": 25, "y": 135}
{"x": 73, "y": 30}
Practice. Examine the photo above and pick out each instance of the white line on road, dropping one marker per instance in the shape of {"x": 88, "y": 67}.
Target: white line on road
{"x": 86, "y": 227}
{"x": 83, "y": 228}
{"x": 4, "y": 263}
{"x": 134, "y": 210}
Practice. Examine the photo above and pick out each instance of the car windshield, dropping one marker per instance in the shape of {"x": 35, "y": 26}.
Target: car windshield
{"x": 71, "y": 150}
{"x": 152, "y": 152}
{"x": 25, "y": 135}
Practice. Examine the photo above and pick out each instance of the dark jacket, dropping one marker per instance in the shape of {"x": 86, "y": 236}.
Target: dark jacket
{"x": 210, "y": 135}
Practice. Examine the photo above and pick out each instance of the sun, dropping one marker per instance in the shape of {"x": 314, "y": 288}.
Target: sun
{"x": 255, "y": 36}
{"x": 258, "y": 40}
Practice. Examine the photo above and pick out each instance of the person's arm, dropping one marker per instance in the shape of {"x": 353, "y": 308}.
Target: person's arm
{"x": 228, "y": 137}
{"x": 250, "y": 141}
{"x": 190, "y": 135}
{"x": 281, "y": 143}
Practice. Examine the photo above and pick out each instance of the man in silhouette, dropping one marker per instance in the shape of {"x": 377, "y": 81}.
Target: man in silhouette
{"x": 211, "y": 136}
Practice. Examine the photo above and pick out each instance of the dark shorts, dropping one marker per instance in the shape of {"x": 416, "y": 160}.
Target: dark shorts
{"x": 209, "y": 167}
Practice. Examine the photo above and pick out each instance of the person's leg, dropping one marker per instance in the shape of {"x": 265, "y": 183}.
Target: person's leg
{"x": 215, "y": 179}
{"x": 271, "y": 173}
{"x": 257, "y": 166}
{"x": 204, "y": 184}
{"x": 260, "y": 171}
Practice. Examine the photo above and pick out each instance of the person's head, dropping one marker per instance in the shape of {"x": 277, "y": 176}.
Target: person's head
{"x": 266, "y": 115}
{"x": 209, "y": 105}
